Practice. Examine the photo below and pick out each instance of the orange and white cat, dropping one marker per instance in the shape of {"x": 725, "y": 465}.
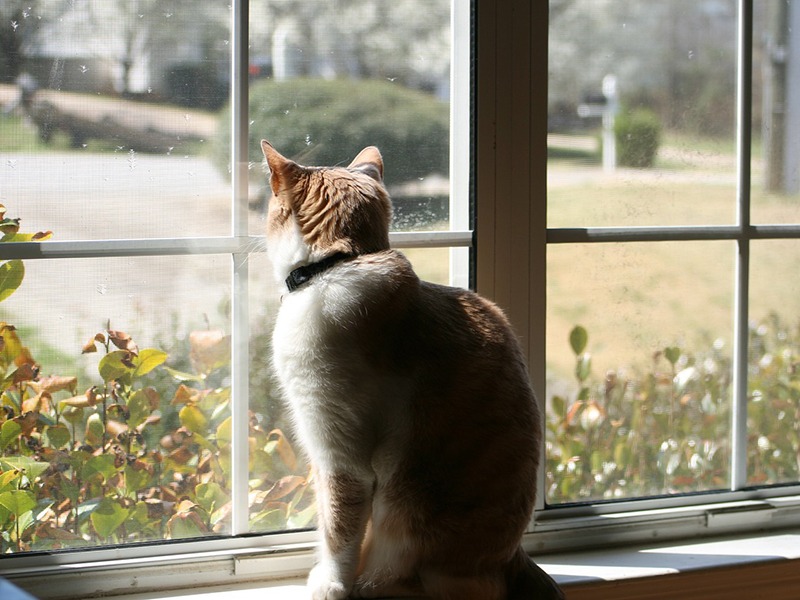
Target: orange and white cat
{"x": 411, "y": 400}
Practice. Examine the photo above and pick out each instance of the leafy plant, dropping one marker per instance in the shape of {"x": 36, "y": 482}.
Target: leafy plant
{"x": 638, "y": 135}
{"x": 85, "y": 468}
{"x": 143, "y": 453}
{"x": 12, "y": 272}
{"x": 666, "y": 430}
{"x": 326, "y": 122}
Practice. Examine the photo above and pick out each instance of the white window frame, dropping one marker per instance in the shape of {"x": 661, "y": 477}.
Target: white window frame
{"x": 740, "y": 508}
{"x": 509, "y": 161}
{"x": 240, "y": 554}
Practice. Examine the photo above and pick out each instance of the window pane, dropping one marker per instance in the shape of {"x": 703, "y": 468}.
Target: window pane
{"x": 280, "y": 494}
{"x": 641, "y": 113}
{"x": 774, "y": 363}
{"x": 115, "y": 393}
{"x": 330, "y": 78}
{"x": 110, "y": 113}
{"x": 776, "y": 112}
{"x": 326, "y": 80}
{"x": 639, "y": 397}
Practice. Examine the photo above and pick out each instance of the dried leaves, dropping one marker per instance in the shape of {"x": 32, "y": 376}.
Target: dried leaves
{"x": 142, "y": 454}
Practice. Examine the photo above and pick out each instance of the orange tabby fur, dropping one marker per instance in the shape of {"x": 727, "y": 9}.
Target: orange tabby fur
{"x": 412, "y": 401}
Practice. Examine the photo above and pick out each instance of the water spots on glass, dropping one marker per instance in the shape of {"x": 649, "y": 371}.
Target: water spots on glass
{"x": 308, "y": 140}
{"x": 83, "y": 68}
{"x": 101, "y": 288}
{"x": 11, "y": 162}
{"x": 132, "y": 158}
{"x": 14, "y": 25}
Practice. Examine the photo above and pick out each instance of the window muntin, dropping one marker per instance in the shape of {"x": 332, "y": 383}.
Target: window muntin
{"x": 741, "y": 313}
{"x": 619, "y": 527}
{"x": 161, "y": 252}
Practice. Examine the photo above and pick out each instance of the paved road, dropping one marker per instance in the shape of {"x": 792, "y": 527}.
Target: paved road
{"x": 123, "y": 195}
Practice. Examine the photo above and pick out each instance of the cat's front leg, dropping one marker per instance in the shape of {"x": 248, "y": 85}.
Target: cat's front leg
{"x": 344, "y": 501}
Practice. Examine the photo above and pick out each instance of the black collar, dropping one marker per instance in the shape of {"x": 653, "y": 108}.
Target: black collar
{"x": 302, "y": 275}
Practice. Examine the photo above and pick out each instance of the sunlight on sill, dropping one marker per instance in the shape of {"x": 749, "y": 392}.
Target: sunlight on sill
{"x": 569, "y": 568}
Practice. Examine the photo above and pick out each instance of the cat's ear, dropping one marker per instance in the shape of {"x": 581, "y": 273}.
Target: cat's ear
{"x": 369, "y": 161}
{"x": 284, "y": 173}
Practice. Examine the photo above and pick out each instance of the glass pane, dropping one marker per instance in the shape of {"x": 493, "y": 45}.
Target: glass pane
{"x": 280, "y": 493}
{"x": 115, "y": 391}
{"x": 774, "y": 363}
{"x": 776, "y": 112}
{"x": 639, "y": 369}
{"x": 330, "y": 78}
{"x": 642, "y": 102}
{"x": 110, "y": 112}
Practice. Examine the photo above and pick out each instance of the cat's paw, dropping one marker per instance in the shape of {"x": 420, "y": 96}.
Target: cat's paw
{"x": 324, "y": 585}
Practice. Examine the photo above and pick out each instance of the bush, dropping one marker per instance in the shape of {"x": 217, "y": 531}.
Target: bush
{"x": 638, "y": 135}
{"x": 666, "y": 429}
{"x": 144, "y": 453}
{"x": 320, "y": 122}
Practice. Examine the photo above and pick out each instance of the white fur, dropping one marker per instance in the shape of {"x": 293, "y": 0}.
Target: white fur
{"x": 287, "y": 251}
{"x": 332, "y": 392}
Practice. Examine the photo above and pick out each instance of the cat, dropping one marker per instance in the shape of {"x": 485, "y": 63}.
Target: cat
{"x": 411, "y": 400}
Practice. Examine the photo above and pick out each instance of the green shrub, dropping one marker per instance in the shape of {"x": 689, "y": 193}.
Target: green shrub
{"x": 144, "y": 453}
{"x": 318, "y": 122}
{"x": 666, "y": 429}
{"x": 638, "y": 135}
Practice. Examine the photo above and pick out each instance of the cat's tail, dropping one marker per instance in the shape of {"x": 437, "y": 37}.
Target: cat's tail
{"x": 525, "y": 580}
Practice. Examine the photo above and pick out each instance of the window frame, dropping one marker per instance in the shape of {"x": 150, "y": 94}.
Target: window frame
{"x": 508, "y": 154}
{"x": 741, "y": 508}
{"x": 244, "y": 548}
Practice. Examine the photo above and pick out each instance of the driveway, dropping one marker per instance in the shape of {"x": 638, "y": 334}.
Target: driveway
{"x": 111, "y": 196}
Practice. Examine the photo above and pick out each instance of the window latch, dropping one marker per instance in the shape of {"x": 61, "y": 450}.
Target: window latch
{"x": 753, "y": 513}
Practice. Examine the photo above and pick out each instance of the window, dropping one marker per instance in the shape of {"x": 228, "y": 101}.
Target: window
{"x": 671, "y": 227}
{"x": 137, "y": 299}
{"x": 539, "y": 259}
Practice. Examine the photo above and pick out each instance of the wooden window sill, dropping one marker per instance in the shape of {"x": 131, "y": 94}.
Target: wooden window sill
{"x": 762, "y": 566}
{"x": 766, "y": 566}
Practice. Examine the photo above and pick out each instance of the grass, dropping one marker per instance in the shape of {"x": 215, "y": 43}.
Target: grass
{"x": 19, "y": 135}
{"x": 635, "y": 299}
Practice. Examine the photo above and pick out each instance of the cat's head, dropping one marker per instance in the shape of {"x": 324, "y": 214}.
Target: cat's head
{"x": 316, "y": 212}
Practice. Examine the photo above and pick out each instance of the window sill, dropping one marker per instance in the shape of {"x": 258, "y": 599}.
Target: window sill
{"x": 764, "y": 565}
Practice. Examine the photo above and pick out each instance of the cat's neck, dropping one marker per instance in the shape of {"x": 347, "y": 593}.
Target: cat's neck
{"x": 302, "y": 275}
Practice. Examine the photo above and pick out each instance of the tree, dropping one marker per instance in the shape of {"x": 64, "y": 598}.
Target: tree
{"x": 16, "y": 29}
{"x": 676, "y": 57}
{"x": 782, "y": 98}
{"x": 143, "y": 29}
{"x": 407, "y": 41}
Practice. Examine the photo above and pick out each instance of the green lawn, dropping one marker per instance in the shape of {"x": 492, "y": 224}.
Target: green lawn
{"x": 635, "y": 299}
